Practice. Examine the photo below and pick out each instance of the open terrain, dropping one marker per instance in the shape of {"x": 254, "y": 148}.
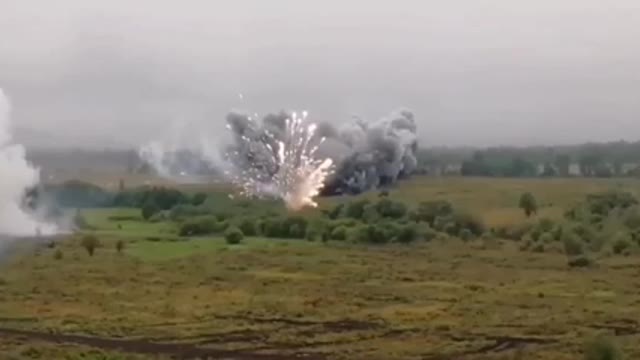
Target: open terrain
{"x": 169, "y": 297}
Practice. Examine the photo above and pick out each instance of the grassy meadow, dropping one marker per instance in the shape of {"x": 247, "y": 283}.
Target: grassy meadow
{"x": 165, "y": 296}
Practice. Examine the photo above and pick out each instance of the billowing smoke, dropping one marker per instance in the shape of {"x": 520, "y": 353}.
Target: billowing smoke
{"x": 368, "y": 155}
{"x": 184, "y": 155}
{"x": 18, "y": 176}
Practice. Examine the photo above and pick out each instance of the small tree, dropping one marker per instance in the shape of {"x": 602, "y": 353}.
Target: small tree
{"x": 528, "y": 204}
{"x": 90, "y": 243}
{"x": 233, "y": 235}
{"x": 119, "y": 246}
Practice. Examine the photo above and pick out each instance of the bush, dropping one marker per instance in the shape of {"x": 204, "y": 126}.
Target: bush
{"x": 233, "y": 235}
{"x": 294, "y": 227}
{"x": 273, "y": 228}
{"x": 58, "y": 254}
{"x": 427, "y": 233}
{"x": 580, "y": 261}
{"x": 355, "y": 209}
{"x": 528, "y": 204}
{"x": 339, "y": 233}
{"x": 149, "y": 209}
{"x": 203, "y": 225}
{"x": 601, "y": 348}
{"x": 572, "y": 244}
{"x": 468, "y": 221}
{"x": 429, "y": 211}
{"x": 546, "y": 238}
{"x": 180, "y": 212}
{"x": 407, "y": 234}
{"x": 621, "y": 243}
{"x": 248, "y": 227}
{"x": 198, "y": 199}
{"x": 317, "y": 230}
{"x": 90, "y": 243}
{"x": 388, "y": 208}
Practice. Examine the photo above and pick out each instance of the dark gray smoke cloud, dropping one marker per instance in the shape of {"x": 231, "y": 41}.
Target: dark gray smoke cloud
{"x": 367, "y": 154}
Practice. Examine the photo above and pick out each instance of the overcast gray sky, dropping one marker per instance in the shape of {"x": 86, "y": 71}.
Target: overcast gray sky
{"x": 475, "y": 72}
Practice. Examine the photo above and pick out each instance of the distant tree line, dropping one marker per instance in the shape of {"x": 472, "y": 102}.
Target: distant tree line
{"x": 588, "y": 160}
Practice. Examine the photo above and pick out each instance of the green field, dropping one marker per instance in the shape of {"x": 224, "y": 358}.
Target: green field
{"x": 169, "y": 297}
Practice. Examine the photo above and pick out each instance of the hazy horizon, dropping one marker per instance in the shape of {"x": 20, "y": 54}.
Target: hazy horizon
{"x": 474, "y": 72}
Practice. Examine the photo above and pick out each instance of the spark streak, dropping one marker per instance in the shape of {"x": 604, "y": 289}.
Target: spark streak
{"x": 291, "y": 172}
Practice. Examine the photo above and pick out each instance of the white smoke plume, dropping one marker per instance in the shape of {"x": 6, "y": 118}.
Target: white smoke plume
{"x": 366, "y": 155}
{"x": 17, "y": 176}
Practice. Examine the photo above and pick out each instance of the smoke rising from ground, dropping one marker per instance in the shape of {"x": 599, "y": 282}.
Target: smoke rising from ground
{"x": 367, "y": 154}
{"x": 17, "y": 177}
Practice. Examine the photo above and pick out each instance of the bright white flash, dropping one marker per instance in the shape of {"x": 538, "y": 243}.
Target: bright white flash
{"x": 292, "y": 172}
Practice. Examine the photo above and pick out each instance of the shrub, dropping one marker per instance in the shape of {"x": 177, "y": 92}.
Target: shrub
{"x": 58, "y": 254}
{"x": 621, "y": 243}
{"x": 248, "y": 227}
{"x": 601, "y": 348}
{"x": 370, "y": 213}
{"x": 388, "y": 208}
{"x": 440, "y": 223}
{"x": 426, "y": 232}
{"x": 358, "y": 234}
{"x": 273, "y": 228}
{"x": 90, "y": 243}
{"x": 468, "y": 221}
{"x": 203, "y": 225}
{"x": 119, "y": 246}
{"x": 429, "y": 211}
{"x": 545, "y": 225}
{"x": 149, "y": 209}
{"x": 233, "y": 235}
{"x": 183, "y": 211}
{"x": 339, "y": 233}
{"x": 355, "y": 209}
{"x": 294, "y": 227}
{"x": 580, "y": 261}
{"x": 407, "y": 234}
{"x": 546, "y": 238}
{"x": 198, "y": 199}
{"x": 317, "y": 230}
{"x": 572, "y": 244}
{"x": 528, "y": 204}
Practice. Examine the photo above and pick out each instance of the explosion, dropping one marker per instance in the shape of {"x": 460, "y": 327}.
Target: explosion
{"x": 279, "y": 166}
{"x": 283, "y": 156}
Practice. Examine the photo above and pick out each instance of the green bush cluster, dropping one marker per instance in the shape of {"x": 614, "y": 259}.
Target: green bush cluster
{"x": 202, "y": 225}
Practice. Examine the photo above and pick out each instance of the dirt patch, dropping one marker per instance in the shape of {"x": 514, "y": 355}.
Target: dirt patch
{"x": 176, "y": 350}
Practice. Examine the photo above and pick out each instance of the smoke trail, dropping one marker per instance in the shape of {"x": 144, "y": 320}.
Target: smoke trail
{"x": 17, "y": 177}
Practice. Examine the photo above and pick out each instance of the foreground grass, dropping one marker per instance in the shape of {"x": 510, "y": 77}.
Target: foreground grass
{"x": 453, "y": 299}
{"x": 165, "y": 296}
